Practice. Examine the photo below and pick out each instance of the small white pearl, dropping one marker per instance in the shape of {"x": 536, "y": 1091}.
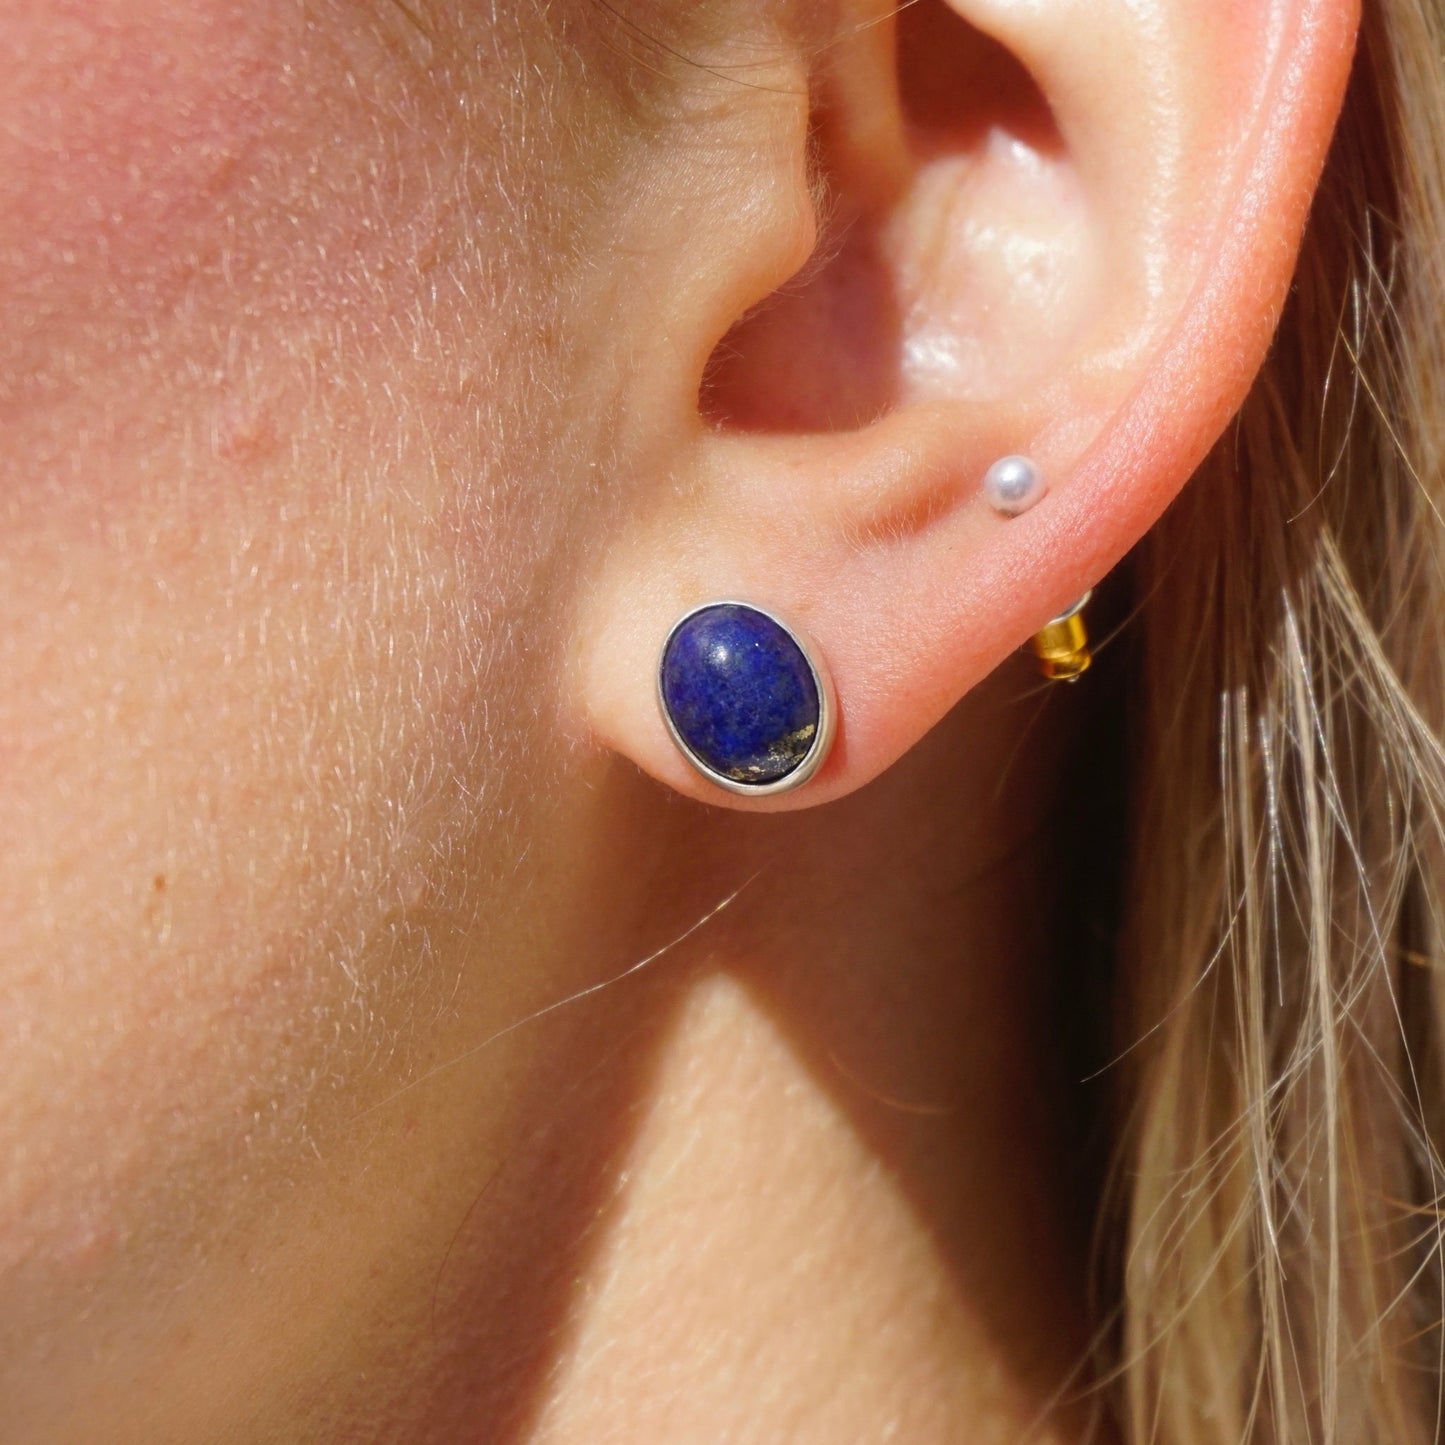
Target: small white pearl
{"x": 1013, "y": 484}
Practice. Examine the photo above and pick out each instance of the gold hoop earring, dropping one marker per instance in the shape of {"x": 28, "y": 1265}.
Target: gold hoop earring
{"x": 1062, "y": 645}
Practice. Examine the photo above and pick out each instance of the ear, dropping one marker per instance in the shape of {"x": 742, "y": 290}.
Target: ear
{"x": 1063, "y": 230}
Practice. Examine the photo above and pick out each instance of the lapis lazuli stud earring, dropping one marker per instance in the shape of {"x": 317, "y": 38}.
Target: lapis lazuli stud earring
{"x": 1013, "y": 484}
{"x": 745, "y": 698}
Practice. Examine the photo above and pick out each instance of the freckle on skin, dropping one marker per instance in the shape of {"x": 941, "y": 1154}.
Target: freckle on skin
{"x": 157, "y": 910}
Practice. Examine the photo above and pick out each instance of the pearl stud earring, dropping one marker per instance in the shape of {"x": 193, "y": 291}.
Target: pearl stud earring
{"x": 746, "y": 700}
{"x": 1013, "y": 484}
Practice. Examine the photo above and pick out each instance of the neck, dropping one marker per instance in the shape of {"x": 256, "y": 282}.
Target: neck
{"x": 844, "y": 1200}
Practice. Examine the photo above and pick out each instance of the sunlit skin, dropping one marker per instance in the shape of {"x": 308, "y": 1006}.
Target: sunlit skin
{"x": 400, "y": 1040}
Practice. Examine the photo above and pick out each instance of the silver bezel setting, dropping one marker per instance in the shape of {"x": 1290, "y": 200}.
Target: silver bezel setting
{"x": 813, "y": 759}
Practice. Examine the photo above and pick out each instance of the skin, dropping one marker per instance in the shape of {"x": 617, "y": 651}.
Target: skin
{"x": 377, "y": 386}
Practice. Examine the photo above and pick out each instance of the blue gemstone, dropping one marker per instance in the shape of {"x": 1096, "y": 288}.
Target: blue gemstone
{"x": 740, "y": 694}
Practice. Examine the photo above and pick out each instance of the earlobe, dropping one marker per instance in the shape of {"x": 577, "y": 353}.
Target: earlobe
{"x": 1067, "y": 236}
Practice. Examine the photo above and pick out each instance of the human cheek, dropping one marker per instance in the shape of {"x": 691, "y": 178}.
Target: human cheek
{"x": 184, "y": 802}
{"x": 121, "y": 121}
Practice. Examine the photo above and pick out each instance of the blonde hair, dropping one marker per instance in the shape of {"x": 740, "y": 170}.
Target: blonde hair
{"x": 1277, "y": 1198}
